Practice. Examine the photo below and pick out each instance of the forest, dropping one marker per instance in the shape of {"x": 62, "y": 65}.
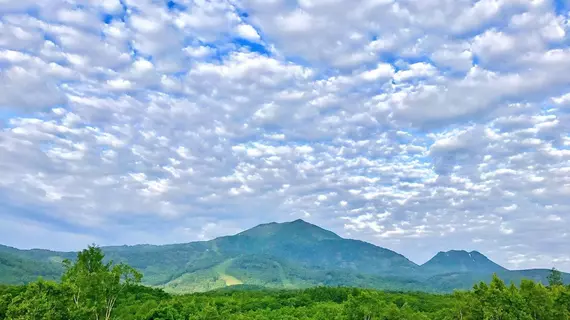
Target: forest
{"x": 92, "y": 289}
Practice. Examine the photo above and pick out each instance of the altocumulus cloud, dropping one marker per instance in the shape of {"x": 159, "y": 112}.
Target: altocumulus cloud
{"x": 417, "y": 125}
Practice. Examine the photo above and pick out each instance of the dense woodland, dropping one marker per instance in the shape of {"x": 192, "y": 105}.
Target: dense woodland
{"x": 93, "y": 289}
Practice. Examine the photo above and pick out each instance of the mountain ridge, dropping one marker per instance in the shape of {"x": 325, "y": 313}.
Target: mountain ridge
{"x": 294, "y": 254}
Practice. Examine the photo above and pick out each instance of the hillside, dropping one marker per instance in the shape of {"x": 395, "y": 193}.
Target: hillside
{"x": 276, "y": 255}
{"x": 15, "y": 269}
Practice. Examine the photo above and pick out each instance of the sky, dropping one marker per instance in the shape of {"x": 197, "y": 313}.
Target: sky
{"x": 419, "y": 126}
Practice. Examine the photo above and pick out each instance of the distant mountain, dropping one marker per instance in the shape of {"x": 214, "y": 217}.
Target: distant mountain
{"x": 459, "y": 269}
{"x": 294, "y": 254}
{"x": 460, "y": 261}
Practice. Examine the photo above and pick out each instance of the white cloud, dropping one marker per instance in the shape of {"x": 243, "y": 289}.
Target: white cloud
{"x": 382, "y": 71}
{"x": 119, "y": 84}
{"x": 563, "y": 100}
{"x": 111, "y": 6}
{"x": 248, "y": 32}
{"x": 198, "y": 52}
{"x": 29, "y": 89}
{"x": 416, "y": 70}
{"x": 458, "y": 58}
{"x": 493, "y": 43}
{"x": 295, "y": 22}
{"x": 391, "y": 121}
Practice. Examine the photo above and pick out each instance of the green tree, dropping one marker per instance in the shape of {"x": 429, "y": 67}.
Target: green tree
{"x": 5, "y": 299}
{"x": 327, "y": 311}
{"x": 555, "y": 278}
{"x": 500, "y": 302}
{"x": 165, "y": 312}
{"x": 94, "y": 286}
{"x": 562, "y": 302}
{"x": 365, "y": 305}
{"x": 41, "y": 300}
{"x": 467, "y": 305}
{"x": 538, "y": 300}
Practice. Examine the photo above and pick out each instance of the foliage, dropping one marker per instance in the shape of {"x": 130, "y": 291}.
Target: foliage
{"x": 88, "y": 290}
{"x": 94, "y": 286}
{"x": 92, "y": 289}
{"x": 39, "y": 300}
{"x": 555, "y": 278}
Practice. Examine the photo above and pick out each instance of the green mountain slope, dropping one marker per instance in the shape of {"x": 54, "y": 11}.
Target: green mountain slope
{"x": 15, "y": 269}
{"x": 276, "y": 255}
{"x": 270, "y": 272}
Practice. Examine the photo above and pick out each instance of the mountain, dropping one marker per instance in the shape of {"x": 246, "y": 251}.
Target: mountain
{"x": 311, "y": 246}
{"x": 460, "y": 261}
{"x": 293, "y": 254}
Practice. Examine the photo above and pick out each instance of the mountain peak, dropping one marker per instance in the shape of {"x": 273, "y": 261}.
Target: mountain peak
{"x": 459, "y": 253}
{"x": 460, "y": 261}
{"x": 298, "y": 229}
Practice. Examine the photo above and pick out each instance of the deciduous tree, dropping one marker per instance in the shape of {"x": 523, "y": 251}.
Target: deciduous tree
{"x": 94, "y": 286}
{"x": 555, "y": 278}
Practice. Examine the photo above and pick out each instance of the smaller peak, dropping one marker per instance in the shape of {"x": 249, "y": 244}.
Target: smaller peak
{"x": 461, "y": 261}
{"x": 299, "y": 221}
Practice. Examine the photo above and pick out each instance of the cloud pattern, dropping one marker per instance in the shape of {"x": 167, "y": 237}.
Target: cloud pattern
{"x": 416, "y": 125}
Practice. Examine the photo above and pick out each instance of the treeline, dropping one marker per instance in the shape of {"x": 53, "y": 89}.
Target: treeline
{"x": 93, "y": 290}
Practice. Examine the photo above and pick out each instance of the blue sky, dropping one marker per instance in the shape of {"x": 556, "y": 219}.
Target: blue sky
{"x": 420, "y": 126}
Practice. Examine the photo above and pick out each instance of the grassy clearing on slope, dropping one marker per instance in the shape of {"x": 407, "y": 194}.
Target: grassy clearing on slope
{"x": 221, "y": 270}
{"x": 199, "y": 281}
{"x": 230, "y": 281}
{"x": 203, "y": 280}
